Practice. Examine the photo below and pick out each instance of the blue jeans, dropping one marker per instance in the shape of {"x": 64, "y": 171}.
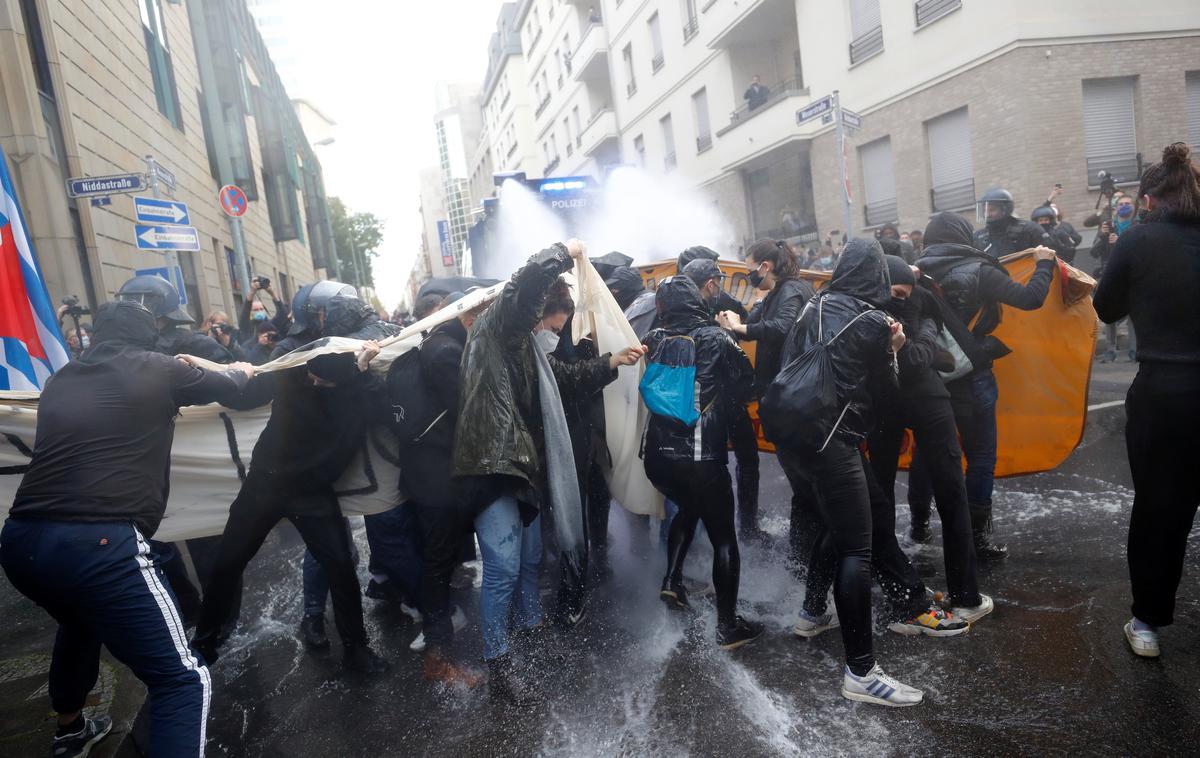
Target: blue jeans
{"x": 315, "y": 583}
{"x": 978, "y": 431}
{"x": 512, "y": 556}
{"x": 396, "y": 551}
{"x": 102, "y": 584}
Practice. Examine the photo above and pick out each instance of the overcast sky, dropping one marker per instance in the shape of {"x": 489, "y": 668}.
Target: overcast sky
{"x": 371, "y": 65}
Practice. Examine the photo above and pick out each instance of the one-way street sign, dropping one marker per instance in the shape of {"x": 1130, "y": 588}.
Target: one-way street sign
{"x": 166, "y": 237}
{"x": 153, "y": 211}
{"x": 117, "y": 184}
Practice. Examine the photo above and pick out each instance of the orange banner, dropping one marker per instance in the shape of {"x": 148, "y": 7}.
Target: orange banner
{"x": 1043, "y": 383}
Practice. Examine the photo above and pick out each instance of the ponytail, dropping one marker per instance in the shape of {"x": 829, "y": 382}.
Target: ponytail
{"x": 1174, "y": 183}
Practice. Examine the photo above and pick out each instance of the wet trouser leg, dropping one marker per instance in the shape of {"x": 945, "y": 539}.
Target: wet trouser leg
{"x": 395, "y": 540}
{"x": 329, "y": 541}
{"x": 204, "y": 552}
{"x": 844, "y": 503}
{"x": 703, "y": 491}
{"x": 251, "y": 518}
{"x": 511, "y": 558}
{"x": 935, "y": 433}
{"x": 102, "y": 583}
{"x": 806, "y": 527}
{"x": 745, "y": 451}
{"x": 920, "y": 488}
{"x": 443, "y": 529}
{"x": 1163, "y": 414}
{"x": 315, "y": 585}
{"x": 599, "y": 503}
{"x": 175, "y": 570}
{"x": 977, "y": 426}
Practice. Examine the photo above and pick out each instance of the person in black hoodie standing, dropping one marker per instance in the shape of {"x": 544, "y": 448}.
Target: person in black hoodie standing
{"x": 76, "y": 541}
{"x": 975, "y": 287}
{"x": 689, "y": 463}
{"x": 863, "y": 359}
{"x": 1152, "y": 277}
{"x": 774, "y": 269}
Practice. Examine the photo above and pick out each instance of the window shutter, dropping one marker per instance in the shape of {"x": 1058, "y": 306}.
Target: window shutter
{"x": 952, "y": 173}
{"x": 1193, "y": 109}
{"x": 879, "y": 181}
{"x": 1108, "y": 128}
{"x": 864, "y": 17}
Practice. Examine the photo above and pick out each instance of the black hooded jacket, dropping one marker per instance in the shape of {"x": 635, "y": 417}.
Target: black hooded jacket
{"x": 974, "y": 283}
{"x": 106, "y": 422}
{"x": 922, "y": 319}
{"x": 179, "y": 340}
{"x": 723, "y": 374}
{"x": 1008, "y": 235}
{"x": 625, "y": 284}
{"x": 861, "y": 357}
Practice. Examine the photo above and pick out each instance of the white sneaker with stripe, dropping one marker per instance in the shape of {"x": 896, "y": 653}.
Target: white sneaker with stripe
{"x": 878, "y": 688}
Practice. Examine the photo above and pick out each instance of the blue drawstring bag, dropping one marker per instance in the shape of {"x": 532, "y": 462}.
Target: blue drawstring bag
{"x": 669, "y": 385}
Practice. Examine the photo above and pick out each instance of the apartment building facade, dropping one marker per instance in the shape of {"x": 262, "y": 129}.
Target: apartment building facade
{"x": 92, "y": 87}
{"x": 956, "y": 96}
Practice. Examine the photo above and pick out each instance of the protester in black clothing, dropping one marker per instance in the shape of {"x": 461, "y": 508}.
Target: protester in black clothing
{"x": 922, "y": 404}
{"x": 319, "y": 417}
{"x": 258, "y": 348}
{"x": 1060, "y": 241}
{"x": 863, "y": 359}
{"x": 775, "y": 270}
{"x": 720, "y": 300}
{"x": 76, "y": 540}
{"x": 1153, "y": 277}
{"x": 757, "y": 94}
{"x": 975, "y": 287}
{"x": 1004, "y": 233}
{"x": 162, "y": 299}
{"x": 688, "y": 464}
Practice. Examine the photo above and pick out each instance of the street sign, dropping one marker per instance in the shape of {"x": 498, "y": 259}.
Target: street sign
{"x": 101, "y": 201}
{"x": 116, "y": 184}
{"x": 153, "y": 211}
{"x": 826, "y": 119}
{"x": 851, "y": 119}
{"x": 812, "y": 110}
{"x": 166, "y": 237}
{"x": 163, "y": 173}
{"x": 233, "y": 200}
{"x": 161, "y": 272}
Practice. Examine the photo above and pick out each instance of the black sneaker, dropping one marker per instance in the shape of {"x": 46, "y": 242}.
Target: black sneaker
{"x": 81, "y": 743}
{"x": 674, "y": 595}
{"x": 920, "y": 531}
{"x": 364, "y": 660}
{"x": 312, "y": 631}
{"x": 506, "y": 686}
{"x": 742, "y": 631}
{"x": 383, "y": 591}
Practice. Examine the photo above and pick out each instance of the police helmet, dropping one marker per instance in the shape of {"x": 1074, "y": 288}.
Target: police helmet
{"x": 996, "y": 196}
{"x": 1044, "y": 211}
{"x": 158, "y": 296}
{"x": 311, "y": 299}
{"x": 695, "y": 253}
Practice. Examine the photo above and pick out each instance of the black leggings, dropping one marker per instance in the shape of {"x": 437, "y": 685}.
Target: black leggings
{"x": 843, "y": 502}
{"x": 1163, "y": 414}
{"x": 252, "y": 516}
{"x": 444, "y": 527}
{"x": 932, "y": 422}
{"x": 744, "y": 441}
{"x": 704, "y": 493}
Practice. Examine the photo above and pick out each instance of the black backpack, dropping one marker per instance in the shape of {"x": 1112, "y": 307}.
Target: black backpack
{"x": 415, "y": 412}
{"x": 801, "y": 409}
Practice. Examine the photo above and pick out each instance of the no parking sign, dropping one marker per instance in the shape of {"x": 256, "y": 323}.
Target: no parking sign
{"x": 233, "y": 200}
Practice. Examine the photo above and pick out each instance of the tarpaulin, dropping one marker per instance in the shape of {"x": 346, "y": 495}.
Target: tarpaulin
{"x": 1043, "y": 383}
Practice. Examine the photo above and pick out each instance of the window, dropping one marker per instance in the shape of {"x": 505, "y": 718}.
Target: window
{"x": 866, "y": 30}
{"x": 691, "y": 23}
{"x": 578, "y": 126}
{"x": 656, "y": 43}
{"x": 1108, "y": 129}
{"x": 879, "y": 182}
{"x": 668, "y": 134}
{"x": 161, "y": 70}
{"x": 703, "y": 126}
{"x": 951, "y": 171}
{"x": 630, "y": 82}
{"x": 567, "y": 132}
{"x": 1193, "y": 109}
{"x": 929, "y": 11}
{"x": 639, "y": 147}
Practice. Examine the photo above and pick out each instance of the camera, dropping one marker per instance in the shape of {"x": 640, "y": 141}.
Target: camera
{"x": 262, "y": 282}
{"x": 224, "y": 328}
{"x": 74, "y": 309}
{"x": 1108, "y": 182}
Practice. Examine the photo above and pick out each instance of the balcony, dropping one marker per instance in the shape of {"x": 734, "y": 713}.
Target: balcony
{"x": 542, "y": 106}
{"x": 765, "y": 130}
{"x": 749, "y": 22}
{"x": 601, "y": 130}
{"x": 589, "y": 62}
{"x": 792, "y": 90}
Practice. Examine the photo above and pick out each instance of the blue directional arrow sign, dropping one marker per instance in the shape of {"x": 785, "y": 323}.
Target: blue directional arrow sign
{"x": 161, "y": 237}
{"x": 153, "y": 211}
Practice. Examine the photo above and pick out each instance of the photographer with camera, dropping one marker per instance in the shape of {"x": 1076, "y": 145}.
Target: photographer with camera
{"x": 78, "y": 335}
{"x": 1120, "y": 219}
{"x": 259, "y": 348}
{"x": 254, "y": 312}
{"x": 225, "y": 334}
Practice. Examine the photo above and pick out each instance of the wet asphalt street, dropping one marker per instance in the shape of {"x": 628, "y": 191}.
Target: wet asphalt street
{"x": 1047, "y": 673}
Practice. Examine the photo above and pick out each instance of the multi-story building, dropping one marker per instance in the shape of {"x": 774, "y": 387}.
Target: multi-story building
{"x": 458, "y": 124}
{"x": 92, "y": 87}
{"x": 437, "y": 254}
{"x": 955, "y": 96}
{"x": 507, "y": 105}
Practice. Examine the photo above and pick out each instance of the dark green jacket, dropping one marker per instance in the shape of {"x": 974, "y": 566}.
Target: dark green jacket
{"x": 499, "y": 428}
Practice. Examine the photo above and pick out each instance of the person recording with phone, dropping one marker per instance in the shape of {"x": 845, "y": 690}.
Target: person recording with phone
{"x": 1122, "y": 219}
{"x": 254, "y": 311}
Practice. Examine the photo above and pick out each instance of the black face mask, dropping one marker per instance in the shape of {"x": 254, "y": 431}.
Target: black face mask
{"x": 898, "y": 306}
{"x": 756, "y": 279}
